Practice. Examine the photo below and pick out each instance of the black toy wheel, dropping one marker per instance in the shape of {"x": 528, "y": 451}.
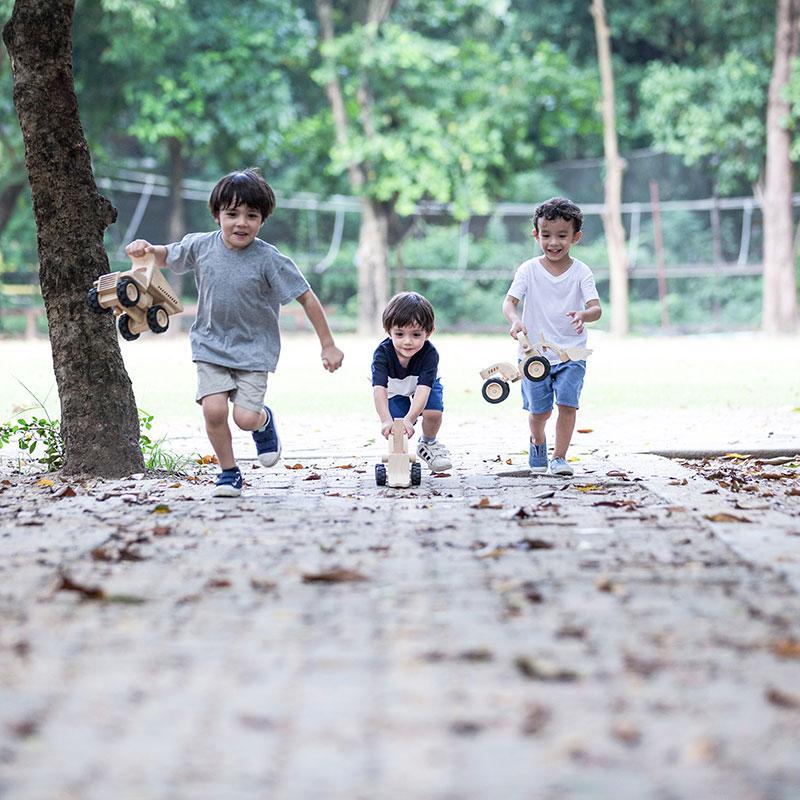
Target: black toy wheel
{"x": 125, "y": 329}
{"x": 536, "y": 368}
{"x": 128, "y": 292}
{"x": 495, "y": 391}
{"x": 157, "y": 319}
{"x": 94, "y": 303}
{"x": 380, "y": 475}
{"x": 416, "y": 474}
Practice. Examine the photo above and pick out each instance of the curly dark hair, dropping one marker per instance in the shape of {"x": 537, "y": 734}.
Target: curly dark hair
{"x": 242, "y": 187}
{"x": 408, "y": 308}
{"x": 558, "y": 208}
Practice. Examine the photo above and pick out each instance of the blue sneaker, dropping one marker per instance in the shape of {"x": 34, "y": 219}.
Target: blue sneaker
{"x": 558, "y": 466}
{"x": 537, "y": 457}
{"x": 268, "y": 443}
{"x": 229, "y": 483}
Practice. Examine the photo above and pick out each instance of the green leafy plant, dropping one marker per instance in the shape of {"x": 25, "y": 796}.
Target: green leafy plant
{"x": 40, "y": 437}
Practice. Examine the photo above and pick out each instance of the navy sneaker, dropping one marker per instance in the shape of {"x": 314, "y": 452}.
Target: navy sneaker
{"x": 537, "y": 457}
{"x": 268, "y": 443}
{"x": 229, "y": 483}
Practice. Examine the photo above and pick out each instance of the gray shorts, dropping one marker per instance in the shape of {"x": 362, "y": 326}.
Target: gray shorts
{"x": 244, "y": 389}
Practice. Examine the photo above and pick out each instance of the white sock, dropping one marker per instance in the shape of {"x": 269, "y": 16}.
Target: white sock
{"x": 427, "y": 439}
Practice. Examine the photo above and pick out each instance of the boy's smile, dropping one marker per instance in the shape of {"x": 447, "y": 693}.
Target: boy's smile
{"x": 239, "y": 225}
{"x": 408, "y": 341}
{"x": 555, "y": 237}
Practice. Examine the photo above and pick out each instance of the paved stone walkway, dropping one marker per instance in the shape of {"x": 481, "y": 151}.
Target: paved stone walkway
{"x": 485, "y": 635}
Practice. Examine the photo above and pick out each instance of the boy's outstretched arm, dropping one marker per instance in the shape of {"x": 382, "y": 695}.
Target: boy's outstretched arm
{"x": 380, "y": 394}
{"x": 512, "y": 315}
{"x": 141, "y": 247}
{"x": 591, "y": 313}
{"x": 331, "y": 355}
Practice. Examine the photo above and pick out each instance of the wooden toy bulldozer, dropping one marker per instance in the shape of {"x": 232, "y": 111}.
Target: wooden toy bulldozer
{"x": 400, "y": 469}
{"x": 535, "y": 367}
{"x": 141, "y": 298}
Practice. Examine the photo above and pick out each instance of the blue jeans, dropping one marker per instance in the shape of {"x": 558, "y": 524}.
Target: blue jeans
{"x": 399, "y": 404}
{"x": 564, "y": 384}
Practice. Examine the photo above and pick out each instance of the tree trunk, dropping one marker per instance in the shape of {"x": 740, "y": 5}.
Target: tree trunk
{"x": 372, "y": 257}
{"x": 373, "y": 268}
{"x": 612, "y": 212}
{"x": 779, "y": 299}
{"x": 99, "y": 422}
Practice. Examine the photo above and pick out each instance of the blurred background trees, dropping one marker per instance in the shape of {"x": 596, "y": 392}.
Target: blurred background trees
{"x": 439, "y": 123}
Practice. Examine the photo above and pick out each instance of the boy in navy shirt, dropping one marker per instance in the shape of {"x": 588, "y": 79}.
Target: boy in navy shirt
{"x": 405, "y": 382}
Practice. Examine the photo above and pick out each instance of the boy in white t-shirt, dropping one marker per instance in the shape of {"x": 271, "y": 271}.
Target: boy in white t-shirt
{"x": 559, "y": 297}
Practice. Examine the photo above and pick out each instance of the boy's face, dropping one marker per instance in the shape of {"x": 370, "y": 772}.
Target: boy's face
{"x": 408, "y": 339}
{"x": 239, "y": 225}
{"x": 555, "y": 237}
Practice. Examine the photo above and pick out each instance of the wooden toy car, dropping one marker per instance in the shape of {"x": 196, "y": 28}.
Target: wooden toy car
{"x": 398, "y": 459}
{"x": 141, "y": 298}
{"x": 535, "y": 367}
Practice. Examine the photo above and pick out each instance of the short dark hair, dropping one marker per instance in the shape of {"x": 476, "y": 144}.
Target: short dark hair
{"x": 558, "y": 208}
{"x": 242, "y": 187}
{"x": 408, "y": 308}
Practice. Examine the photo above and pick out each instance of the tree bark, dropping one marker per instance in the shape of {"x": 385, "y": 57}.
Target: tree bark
{"x": 372, "y": 256}
{"x": 612, "y": 212}
{"x": 779, "y": 299}
{"x": 373, "y": 268}
{"x": 99, "y": 422}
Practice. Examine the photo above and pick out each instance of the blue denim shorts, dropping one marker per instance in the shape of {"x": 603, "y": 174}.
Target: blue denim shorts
{"x": 564, "y": 383}
{"x": 399, "y": 404}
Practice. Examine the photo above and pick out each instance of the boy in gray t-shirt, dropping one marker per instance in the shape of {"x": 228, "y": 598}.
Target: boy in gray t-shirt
{"x": 242, "y": 281}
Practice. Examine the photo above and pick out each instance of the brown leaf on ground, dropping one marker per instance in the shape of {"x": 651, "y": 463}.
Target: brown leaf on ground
{"x": 67, "y": 584}
{"x": 207, "y": 459}
{"x": 335, "y": 575}
{"x": 724, "y": 516}
{"x": 786, "y": 648}
{"x": 218, "y": 583}
{"x": 162, "y": 530}
{"x": 626, "y": 732}
{"x": 162, "y": 508}
{"x": 536, "y": 718}
{"x": 313, "y": 476}
{"x": 64, "y": 491}
{"x": 585, "y": 430}
{"x": 485, "y": 502}
{"x": 537, "y": 669}
{"x": 631, "y": 504}
{"x": 782, "y": 699}
{"x": 533, "y": 544}
{"x": 263, "y": 585}
{"x": 294, "y": 466}
{"x": 344, "y": 466}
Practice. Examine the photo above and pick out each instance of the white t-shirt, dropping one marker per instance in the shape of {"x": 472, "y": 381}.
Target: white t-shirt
{"x": 547, "y": 298}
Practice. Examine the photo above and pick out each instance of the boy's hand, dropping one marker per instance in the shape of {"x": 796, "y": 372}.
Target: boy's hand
{"x": 516, "y": 328}
{"x": 332, "y": 357}
{"x": 409, "y": 426}
{"x": 576, "y": 318}
{"x": 386, "y": 428}
{"x": 139, "y": 247}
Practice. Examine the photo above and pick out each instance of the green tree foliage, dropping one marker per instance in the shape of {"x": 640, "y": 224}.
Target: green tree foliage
{"x": 715, "y": 114}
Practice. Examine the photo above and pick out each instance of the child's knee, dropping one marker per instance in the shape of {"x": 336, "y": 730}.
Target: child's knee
{"x": 542, "y": 417}
{"x": 247, "y": 419}
{"x": 432, "y": 414}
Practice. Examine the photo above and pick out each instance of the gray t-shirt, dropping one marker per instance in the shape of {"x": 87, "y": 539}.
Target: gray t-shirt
{"x": 239, "y": 295}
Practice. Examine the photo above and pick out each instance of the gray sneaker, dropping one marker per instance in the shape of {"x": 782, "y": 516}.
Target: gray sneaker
{"x": 558, "y": 466}
{"x": 537, "y": 457}
{"x": 435, "y": 455}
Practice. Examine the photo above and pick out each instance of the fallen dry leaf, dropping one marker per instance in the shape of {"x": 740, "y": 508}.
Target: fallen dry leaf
{"x": 537, "y": 669}
{"x": 45, "y": 482}
{"x": 161, "y": 508}
{"x": 724, "y": 516}
{"x": 294, "y": 466}
{"x": 786, "y": 648}
{"x": 67, "y": 584}
{"x": 344, "y": 466}
{"x": 585, "y": 430}
{"x": 64, "y": 491}
{"x": 590, "y": 487}
{"x": 783, "y": 699}
{"x": 313, "y": 476}
{"x": 335, "y": 575}
{"x": 207, "y": 459}
{"x": 485, "y": 502}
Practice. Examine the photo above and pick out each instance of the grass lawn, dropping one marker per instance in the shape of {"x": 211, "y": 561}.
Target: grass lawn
{"x": 715, "y": 375}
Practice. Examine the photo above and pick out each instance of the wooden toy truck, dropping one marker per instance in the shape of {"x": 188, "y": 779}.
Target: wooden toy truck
{"x": 398, "y": 474}
{"x": 141, "y": 298}
{"x": 535, "y": 367}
